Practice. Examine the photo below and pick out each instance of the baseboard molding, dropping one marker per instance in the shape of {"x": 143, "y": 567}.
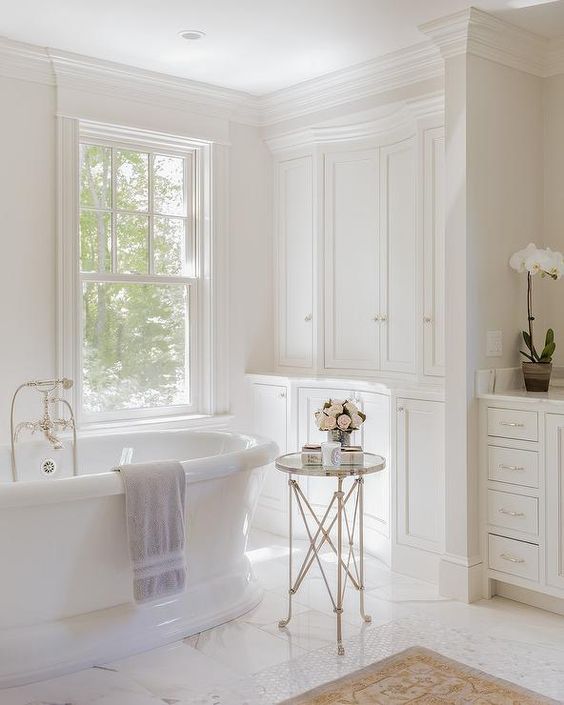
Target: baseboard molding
{"x": 529, "y": 597}
{"x": 459, "y": 581}
{"x": 416, "y": 562}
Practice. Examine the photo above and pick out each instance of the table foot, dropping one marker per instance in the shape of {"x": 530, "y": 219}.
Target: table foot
{"x": 283, "y": 623}
{"x": 340, "y": 650}
{"x": 367, "y": 618}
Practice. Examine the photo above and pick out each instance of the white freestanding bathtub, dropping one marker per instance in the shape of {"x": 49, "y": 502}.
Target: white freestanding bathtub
{"x": 65, "y": 583}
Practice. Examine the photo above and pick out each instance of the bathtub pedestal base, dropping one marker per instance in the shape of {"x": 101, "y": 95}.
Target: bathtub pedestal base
{"x": 50, "y": 649}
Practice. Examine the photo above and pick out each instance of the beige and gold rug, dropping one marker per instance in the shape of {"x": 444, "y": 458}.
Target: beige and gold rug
{"x": 418, "y": 676}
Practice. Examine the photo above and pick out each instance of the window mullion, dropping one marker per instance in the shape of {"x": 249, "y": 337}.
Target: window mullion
{"x": 150, "y": 244}
{"x": 113, "y": 211}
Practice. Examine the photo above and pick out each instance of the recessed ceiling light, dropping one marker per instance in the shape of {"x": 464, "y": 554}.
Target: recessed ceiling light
{"x": 191, "y": 34}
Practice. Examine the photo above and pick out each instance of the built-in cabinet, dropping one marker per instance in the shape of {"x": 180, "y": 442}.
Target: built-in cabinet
{"x": 522, "y": 497}
{"x": 359, "y": 289}
{"x": 295, "y": 261}
{"x": 420, "y": 474}
{"x": 407, "y": 431}
{"x": 360, "y": 253}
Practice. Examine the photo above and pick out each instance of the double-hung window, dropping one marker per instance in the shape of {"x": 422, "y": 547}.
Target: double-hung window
{"x": 138, "y": 277}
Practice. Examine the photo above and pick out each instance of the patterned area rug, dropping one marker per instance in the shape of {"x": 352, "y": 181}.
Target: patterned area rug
{"x": 418, "y": 676}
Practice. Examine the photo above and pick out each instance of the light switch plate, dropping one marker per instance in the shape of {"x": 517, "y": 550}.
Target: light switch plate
{"x": 494, "y": 343}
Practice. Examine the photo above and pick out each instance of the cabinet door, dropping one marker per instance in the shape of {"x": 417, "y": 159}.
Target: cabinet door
{"x": 420, "y": 473}
{"x": 375, "y": 438}
{"x": 270, "y": 421}
{"x": 351, "y": 260}
{"x": 398, "y": 258}
{"x": 434, "y": 251}
{"x": 295, "y": 262}
{"x": 555, "y": 500}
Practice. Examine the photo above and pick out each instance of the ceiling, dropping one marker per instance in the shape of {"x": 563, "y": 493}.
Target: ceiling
{"x": 257, "y": 46}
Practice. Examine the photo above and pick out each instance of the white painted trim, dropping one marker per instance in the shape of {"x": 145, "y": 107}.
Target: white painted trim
{"x": 89, "y": 75}
{"x": 77, "y": 72}
{"x": 210, "y": 361}
{"x": 392, "y": 122}
{"x": 478, "y": 33}
{"x": 400, "y": 68}
{"x": 25, "y": 62}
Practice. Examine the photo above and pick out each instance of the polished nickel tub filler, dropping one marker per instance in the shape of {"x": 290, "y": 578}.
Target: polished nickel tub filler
{"x": 66, "y": 589}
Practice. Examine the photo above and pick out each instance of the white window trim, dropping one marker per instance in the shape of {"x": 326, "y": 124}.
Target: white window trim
{"x": 209, "y": 364}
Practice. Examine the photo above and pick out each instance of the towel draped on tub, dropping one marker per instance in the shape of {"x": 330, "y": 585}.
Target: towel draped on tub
{"x": 155, "y": 507}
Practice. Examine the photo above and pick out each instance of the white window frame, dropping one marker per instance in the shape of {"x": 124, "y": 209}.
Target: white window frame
{"x": 207, "y": 289}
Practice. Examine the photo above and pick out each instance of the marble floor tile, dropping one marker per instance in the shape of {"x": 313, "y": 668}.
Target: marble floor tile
{"x": 93, "y": 686}
{"x": 176, "y": 671}
{"x": 310, "y": 630}
{"x": 250, "y": 661}
{"x": 243, "y": 647}
{"x": 273, "y": 608}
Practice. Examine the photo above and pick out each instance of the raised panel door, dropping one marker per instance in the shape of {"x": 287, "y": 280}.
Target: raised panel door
{"x": 295, "y": 262}
{"x": 434, "y": 252}
{"x": 351, "y": 260}
{"x": 420, "y": 473}
{"x": 270, "y": 421}
{"x": 398, "y": 258}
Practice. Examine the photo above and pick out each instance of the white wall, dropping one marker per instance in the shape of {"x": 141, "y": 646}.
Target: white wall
{"x": 252, "y": 290}
{"x": 551, "y": 294}
{"x": 494, "y": 206}
{"x": 27, "y": 203}
{"x": 27, "y": 217}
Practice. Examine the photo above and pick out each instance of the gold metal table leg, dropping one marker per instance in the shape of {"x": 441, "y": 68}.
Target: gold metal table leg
{"x": 360, "y": 488}
{"x": 284, "y": 622}
{"x": 339, "y": 607}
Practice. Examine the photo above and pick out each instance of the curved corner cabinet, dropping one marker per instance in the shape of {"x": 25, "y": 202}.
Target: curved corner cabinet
{"x": 359, "y": 251}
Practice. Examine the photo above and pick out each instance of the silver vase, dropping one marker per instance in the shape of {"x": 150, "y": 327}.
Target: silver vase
{"x": 338, "y": 436}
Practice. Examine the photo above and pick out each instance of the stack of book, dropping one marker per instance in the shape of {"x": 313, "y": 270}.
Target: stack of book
{"x": 350, "y": 455}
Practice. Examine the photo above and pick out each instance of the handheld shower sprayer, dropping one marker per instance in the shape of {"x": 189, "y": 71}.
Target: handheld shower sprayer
{"x": 46, "y": 425}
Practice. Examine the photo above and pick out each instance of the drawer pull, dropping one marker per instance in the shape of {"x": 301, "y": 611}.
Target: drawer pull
{"x": 510, "y": 513}
{"x": 511, "y": 559}
{"x": 512, "y": 424}
{"x": 515, "y": 468}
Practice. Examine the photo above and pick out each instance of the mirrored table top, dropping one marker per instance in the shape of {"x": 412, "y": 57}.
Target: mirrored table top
{"x": 292, "y": 464}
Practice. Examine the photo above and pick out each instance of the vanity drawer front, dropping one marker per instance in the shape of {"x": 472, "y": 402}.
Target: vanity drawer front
{"x": 514, "y": 557}
{"x": 516, "y": 467}
{"x": 510, "y": 423}
{"x": 513, "y": 511}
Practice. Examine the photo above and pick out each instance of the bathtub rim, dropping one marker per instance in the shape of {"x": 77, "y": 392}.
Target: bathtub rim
{"x": 23, "y": 493}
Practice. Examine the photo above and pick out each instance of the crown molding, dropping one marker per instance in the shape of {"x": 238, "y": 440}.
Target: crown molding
{"x": 80, "y": 73}
{"x": 25, "y": 62}
{"x": 394, "y": 70}
{"x": 398, "y": 120}
{"x": 555, "y": 59}
{"x": 476, "y": 32}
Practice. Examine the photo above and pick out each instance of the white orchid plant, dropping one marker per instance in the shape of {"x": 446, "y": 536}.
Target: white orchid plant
{"x": 339, "y": 414}
{"x": 548, "y": 264}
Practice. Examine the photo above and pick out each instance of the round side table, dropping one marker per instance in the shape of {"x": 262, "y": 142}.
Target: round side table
{"x": 346, "y": 511}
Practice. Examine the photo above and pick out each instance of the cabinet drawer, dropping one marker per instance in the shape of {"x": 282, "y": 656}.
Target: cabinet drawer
{"x": 513, "y": 511}
{"x": 514, "y": 466}
{"x": 509, "y": 423}
{"x": 514, "y": 557}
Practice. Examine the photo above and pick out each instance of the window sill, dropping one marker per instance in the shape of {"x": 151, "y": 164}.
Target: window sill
{"x": 191, "y": 421}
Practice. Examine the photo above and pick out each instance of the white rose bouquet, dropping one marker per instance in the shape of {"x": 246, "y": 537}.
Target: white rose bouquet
{"x": 339, "y": 415}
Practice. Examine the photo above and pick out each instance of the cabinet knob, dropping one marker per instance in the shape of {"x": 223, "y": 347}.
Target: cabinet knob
{"x": 308, "y": 318}
{"x": 427, "y": 319}
{"x": 376, "y": 319}
{"x": 383, "y": 317}
{"x": 282, "y": 395}
{"x": 401, "y": 408}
